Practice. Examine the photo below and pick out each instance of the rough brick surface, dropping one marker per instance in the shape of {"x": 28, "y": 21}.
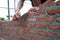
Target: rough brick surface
{"x": 46, "y": 19}
{"x": 47, "y": 34}
{"x": 54, "y": 27}
{"x": 41, "y": 24}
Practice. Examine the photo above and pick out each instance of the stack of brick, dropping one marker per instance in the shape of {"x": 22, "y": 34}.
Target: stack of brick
{"x": 40, "y": 24}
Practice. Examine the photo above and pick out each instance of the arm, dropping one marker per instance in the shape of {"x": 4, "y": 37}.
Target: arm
{"x": 36, "y": 2}
{"x": 20, "y": 5}
{"x": 17, "y": 13}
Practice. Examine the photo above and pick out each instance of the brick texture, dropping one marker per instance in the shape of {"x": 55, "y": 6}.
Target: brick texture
{"x": 40, "y": 26}
{"x": 54, "y": 27}
{"x": 42, "y": 23}
{"x": 58, "y": 19}
{"x": 47, "y": 33}
{"x": 46, "y": 19}
{"x": 58, "y": 35}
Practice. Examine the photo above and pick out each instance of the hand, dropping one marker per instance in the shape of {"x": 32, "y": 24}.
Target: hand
{"x": 16, "y": 16}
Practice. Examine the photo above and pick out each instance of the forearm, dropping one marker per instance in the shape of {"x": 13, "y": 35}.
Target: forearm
{"x": 20, "y": 5}
{"x": 36, "y": 2}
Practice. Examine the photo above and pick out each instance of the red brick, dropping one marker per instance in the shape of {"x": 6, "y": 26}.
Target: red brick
{"x": 52, "y": 11}
{"x": 58, "y": 3}
{"x": 21, "y": 20}
{"x": 22, "y": 38}
{"x": 0, "y": 34}
{"x": 42, "y": 12}
{"x": 54, "y": 27}
{"x": 19, "y": 33}
{"x": 58, "y": 35}
{"x": 10, "y": 29}
{"x": 31, "y": 19}
{"x": 22, "y": 30}
{"x": 29, "y": 13}
{"x": 46, "y": 19}
{"x": 32, "y": 31}
{"x": 28, "y": 35}
{"x": 28, "y": 25}
{"x": 58, "y": 19}
{"x": 17, "y": 37}
{"x": 41, "y": 26}
{"x": 58, "y": 11}
{"x": 47, "y": 34}
{"x": 11, "y": 35}
{"x": 39, "y": 13}
{"x": 38, "y": 38}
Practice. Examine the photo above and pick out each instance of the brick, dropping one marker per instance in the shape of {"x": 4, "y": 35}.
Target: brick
{"x": 19, "y": 33}
{"x": 22, "y": 30}
{"x": 39, "y": 13}
{"x": 0, "y": 34}
{"x": 13, "y": 25}
{"x": 38, "y": 38}
{"x": 47, "y": 34}
{"x": 58, "y": 35}
{"x": 10, "y": 29}
{"x": 11, "y": 35}
{"x": 32, "y": 31}
{"x": 58, "y": 3}
{"x": 29, "y": 13}
{"x": 58, "y": 11}
{"x": 58, "y": 19}
{"x": 31, "y": 19}
{"x": 28, "y": 25}
{"x": 54, "y": 27}
{"x": 28, "y": 35}
{"x": 42, "y": 12}
{"x": 52, "y": 11}
{"x": 21, "y": 20}
{"x": 36, "y": 13}
{"x": 45, "y": 19}
{"x": 41, "y": 26}
{"x": 20, "y": 38}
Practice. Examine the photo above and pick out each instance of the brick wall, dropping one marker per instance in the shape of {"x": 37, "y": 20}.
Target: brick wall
{"x": 41, "y": 24}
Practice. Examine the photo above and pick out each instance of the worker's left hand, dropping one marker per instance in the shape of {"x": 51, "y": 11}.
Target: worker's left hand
{"x": 16, "y": 16}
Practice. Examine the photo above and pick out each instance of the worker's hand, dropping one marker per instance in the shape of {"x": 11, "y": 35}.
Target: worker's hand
{"x": 34, "y": 9}
{"x": 16, "y": 16}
